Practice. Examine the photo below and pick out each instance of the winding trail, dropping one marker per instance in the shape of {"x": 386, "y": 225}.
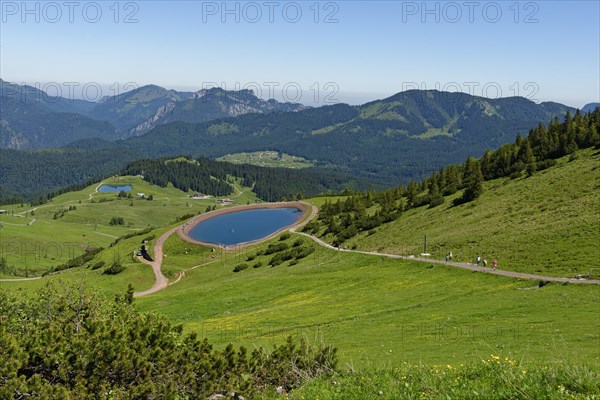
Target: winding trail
{"x": 95, "y": 191}
{"x": 161, "y": 281}
{"x": 467, "y": 266}
{"x": 312, "y": 210}
{"x": 50, "y": 204}
{"x": 21, "y": 279}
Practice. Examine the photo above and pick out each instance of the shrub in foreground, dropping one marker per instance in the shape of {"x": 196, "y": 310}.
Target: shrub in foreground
{"x": 65, "y": 343}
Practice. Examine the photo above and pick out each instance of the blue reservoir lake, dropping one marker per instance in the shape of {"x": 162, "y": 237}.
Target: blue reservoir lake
{"x": 244, "y": 226}
{"x": 112, "y": 189}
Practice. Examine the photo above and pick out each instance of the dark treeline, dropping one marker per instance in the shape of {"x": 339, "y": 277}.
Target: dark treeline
{"x": 204, "y": 176}
{"x": 40, "y": 197}
{"x": 9, "y": 197}
{"x": 212, "y": 177}
{"x": 345, "y": 219}
{"x": 34, "y": 176}
{"x": 275, "y": 184}
{"x": 37, "y": 176}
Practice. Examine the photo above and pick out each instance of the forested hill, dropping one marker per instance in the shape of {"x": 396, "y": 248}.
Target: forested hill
{"x": 138, "y": 111}
{"x": 524, "y": 157}
{"x": 30, "y": 119}
{"x": 31, "y": 175}
{"x": 397, "y": 139}
{"x": 50, "y": 172}
{"x": 213, "y": 177}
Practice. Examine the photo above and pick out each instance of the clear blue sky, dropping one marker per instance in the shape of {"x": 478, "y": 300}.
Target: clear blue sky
{"x": 543, "y": 50}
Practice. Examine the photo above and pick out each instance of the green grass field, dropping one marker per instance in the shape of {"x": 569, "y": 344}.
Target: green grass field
{"x": 378, "y": 312}
{"x": 381, "y": 312}
{"x": 32, "y": 243}
{"x": 492, "y": 378}
{"x": 267, "y": 159}
{"x": 546, "y": 224}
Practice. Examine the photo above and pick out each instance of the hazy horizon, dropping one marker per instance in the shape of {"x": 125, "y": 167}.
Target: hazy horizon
{"x": 313, "y": 53}
{"x": 98, "y": 91}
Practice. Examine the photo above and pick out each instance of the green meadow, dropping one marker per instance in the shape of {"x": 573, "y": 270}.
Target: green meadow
{"x": 546, "y": 224}
{"x": 267, "y": 159}
{"x": 378, "y": 311}
{"x": 34, "y": 239}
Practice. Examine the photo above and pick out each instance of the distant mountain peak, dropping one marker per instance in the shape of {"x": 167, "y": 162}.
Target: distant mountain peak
{"x": 220, "y": 91}
{"x": 590, "y": 107}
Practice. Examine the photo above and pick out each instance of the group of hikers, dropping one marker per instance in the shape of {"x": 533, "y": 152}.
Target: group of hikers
{"x": 478, "y": 261}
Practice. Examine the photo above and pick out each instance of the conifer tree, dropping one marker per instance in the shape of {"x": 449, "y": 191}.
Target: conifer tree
{"x": 435, "y": 196}
{"x": 526, "y": 157}
{"x": 473, "y": 180}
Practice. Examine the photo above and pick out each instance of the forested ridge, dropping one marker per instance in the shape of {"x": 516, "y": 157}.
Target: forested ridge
{"x": 36, "y": 175}
{"x": 213, "y": 178}
{"x": 345, "y": 219}
{"x": 404, "y": 137}
{"x": 33, "y": 119}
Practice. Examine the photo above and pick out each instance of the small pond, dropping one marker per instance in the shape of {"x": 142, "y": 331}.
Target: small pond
{"x": 114, "y": 189}
{"x": 244, "y": 226}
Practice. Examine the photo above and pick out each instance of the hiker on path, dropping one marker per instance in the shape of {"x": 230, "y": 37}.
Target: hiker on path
{"x": 495, "y": 263}
{"x": 484, "y": 263}
{"x": 478, "y": 260}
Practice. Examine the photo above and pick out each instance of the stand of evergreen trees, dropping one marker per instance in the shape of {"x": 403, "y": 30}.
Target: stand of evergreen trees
{"x": 38, "y": 176}
{"x": 212, "y": 177}
{"x": 345, "y": 219}
{"x": 204, "y": 176}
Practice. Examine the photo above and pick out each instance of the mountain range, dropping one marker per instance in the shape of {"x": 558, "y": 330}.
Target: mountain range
{"x": 403, "y": 137}
{"x": 32, "y": 119}
{"x": 380, "y": 143}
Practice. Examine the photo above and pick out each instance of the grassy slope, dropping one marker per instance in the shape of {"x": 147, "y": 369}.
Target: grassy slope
{"x": 267, "y": 159}
{"x": 381, "y": 312}
{"x": 493, "y": 378}
{"x": 49, "y": 242}
{"x": 545, "y": 224}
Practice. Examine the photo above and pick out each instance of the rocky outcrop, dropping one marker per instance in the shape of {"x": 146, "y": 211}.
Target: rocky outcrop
{"x": 155, "y": 120}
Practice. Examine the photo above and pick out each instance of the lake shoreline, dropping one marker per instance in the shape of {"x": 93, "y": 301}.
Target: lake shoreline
{"x": 189, "y": 225}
